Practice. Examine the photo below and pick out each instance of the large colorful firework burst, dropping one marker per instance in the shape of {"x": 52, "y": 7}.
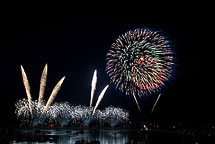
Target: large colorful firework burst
{"x": 140, "y": 62}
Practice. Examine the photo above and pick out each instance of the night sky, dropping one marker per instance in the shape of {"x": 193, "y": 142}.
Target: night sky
{"x": 75, "y": 49}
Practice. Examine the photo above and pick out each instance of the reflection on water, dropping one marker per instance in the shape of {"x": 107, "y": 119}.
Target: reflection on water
{"x": 64, "y": 136}
{"x": 106, "y": 136}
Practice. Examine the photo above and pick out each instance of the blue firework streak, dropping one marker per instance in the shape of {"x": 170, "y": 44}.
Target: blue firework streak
{"x": 140, "y": 62}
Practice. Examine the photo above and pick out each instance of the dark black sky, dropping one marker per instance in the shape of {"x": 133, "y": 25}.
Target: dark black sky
{"x": 77, "y": 48}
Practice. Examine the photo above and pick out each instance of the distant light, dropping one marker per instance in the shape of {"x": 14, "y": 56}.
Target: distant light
{"x": 145, "y": 127}
{"x": 51, "y": 125}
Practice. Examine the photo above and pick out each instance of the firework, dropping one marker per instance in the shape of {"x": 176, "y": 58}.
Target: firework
{"x": 155, "y": 103}
{"x": 86, "y": 116}
{"x": 42, "y": 85}
{"x": 59, "y": 113}
{"x": 23, "y": 113}
{"x": 53, "y": 94}
{"x": 140, "y": 62}
{"x": 93, "y": 86}
{"x": 137, "y": 103}
{"x": 114, "y": 116}
{"x": 100, "y": 98}
{"x": 63, "y": 113}
{"x": 41, "y": 92}
{"x": 27, "y": 89}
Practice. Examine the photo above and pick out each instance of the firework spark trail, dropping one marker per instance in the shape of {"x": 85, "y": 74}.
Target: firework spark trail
{"x": 155, "y": 103}
{"x": 93, "y": 86}
{"x": 100, "y": 98}
{"x": 53, "y": 95}
{"x": 42, "y": 85}
{"x": 27, "y": 89}
{"x": 137, "y": 103}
